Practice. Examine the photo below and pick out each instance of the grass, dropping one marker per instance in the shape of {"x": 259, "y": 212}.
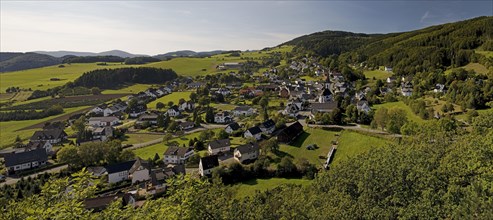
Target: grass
{"x": 410, "y": 115}
{"x": 352, "y": 144}
{"x": 224, "y": 107}
{"x": 477, "y": 67}
{"x": 174, "y": 97}
{"x": 250, "y": 187}
{"x": 159, "y": 148}
{"x": 378, "y": 74}
{"x": 10, "y": 129}
{"x": 141, "y": 138}
{"x": 39, "y": 78}
{"x": 487, "y": 54}
{"x": 130, "y": 89}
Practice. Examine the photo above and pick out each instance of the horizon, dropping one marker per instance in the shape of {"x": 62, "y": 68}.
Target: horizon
{"x": 152, "y": 28}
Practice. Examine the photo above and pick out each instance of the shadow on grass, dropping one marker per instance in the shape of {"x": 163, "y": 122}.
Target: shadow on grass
{"x": 298, "y": 142}
{"x": 251, "y": 182}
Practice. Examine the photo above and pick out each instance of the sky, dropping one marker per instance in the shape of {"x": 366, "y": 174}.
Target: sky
{"x": 156, "y": 27}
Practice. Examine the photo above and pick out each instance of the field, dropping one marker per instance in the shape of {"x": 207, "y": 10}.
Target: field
{"x": 378, "y": 74}
{"x": 410, "y": 115}
{"x": 159, "y": 148}
{"x": 248, "y": 188}
{"x": 128, "y": 90}
{"x": 10, "y": 129}
{"x": 487, "y": 54}
{"x": 136, "y": 138}
{"x": 39, "y": 78}
{"x": 66, "y": 102}
{"x": 477, "y": 67}
{"x": 174, "y": 97}
{"x": 350, "y": 144}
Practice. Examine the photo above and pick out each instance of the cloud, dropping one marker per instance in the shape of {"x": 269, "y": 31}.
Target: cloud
{"x": 425, "y": 16}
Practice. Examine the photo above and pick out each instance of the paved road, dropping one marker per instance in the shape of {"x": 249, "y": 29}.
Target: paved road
{"x": 11, "y": 181}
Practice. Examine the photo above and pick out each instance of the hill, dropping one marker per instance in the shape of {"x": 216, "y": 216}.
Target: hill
{"x": 62, "y": 53}
{"x": 21, "y": 61}
{"x": 187, "y": 53}
{"x": 435, "y": 47}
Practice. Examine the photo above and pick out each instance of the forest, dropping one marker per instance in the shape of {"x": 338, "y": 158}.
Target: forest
{"x": 114, "y": 78}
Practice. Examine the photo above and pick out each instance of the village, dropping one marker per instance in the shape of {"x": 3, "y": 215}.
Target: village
{"x": 248, "y": 108}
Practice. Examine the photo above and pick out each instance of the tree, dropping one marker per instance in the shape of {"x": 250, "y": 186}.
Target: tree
{"x": 381, "y": 117}
{"x": 396, "y": 119}
{"x": 126, "y": 155}
{"x": 18, "y": 141}
{"x": 95, "y": 91}
{"x": 167, "y": 137}
{"x": 69, "y": 155}
{"x": 160, "y": 105}
{"x": 170, "y": 103}
{"x": 172, "y": 126}
{"x": 209, "y": 115}
{"x": 194, "y": 96}
{"x": 222, "y": 134}
{"x": 271, "y": 145}
{"x": 160, "y": 121}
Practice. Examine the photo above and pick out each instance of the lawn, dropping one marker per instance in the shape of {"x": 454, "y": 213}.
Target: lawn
{"x": 322, "y": 138}
{"x": 10, "y": 129}
{"x": 477, "y": 67}
{"x": 136, "y": 88}
{"x": 378, "y": 74}
{"x": 410, "y": 115}
{"x": 250, "y": 187}
{"x": 141, "y": 138}
{"x": 39, "y": 78}
{"x": 174, "y": 97}
{"x": 223, "y": 107}
{"x": 159, "y": 148}
{"x": 352, "y": 144}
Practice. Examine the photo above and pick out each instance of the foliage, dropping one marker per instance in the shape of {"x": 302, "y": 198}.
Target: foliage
{"x": 20, "y": 115}
{"x": 94, "y": 154}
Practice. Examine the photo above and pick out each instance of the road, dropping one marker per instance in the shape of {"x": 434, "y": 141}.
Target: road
{"x": 346, "y": 127}
{"x": 11, "y": 181}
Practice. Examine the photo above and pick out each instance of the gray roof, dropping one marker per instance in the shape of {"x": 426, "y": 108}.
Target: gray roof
{"x": 115, "y": 168}
{"x": 254, "y": 130}
{"x": 48, "y": 134}
{"x": 219, "y": 143}
{"x": 242, "y": 108}
{"x": 209, "y": 162}
{"x": 174, "y": 150}
{"x": 234, "y": 126}
{"x": 248, "y": 148}
{"x": 25, "y": 157}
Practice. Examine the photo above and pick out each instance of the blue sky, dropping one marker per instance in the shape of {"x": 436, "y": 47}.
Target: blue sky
{"x": 156, "y": 27}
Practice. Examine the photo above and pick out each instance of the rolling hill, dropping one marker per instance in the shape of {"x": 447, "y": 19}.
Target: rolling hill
{"x": 62, "y": 53}
{"x": 21, "y": 61}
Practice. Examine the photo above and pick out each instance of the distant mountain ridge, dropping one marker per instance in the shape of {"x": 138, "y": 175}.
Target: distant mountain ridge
{"x": 22, "y": 61}
{"x": 118, "y": 53}
{"x": 188, "y": 53}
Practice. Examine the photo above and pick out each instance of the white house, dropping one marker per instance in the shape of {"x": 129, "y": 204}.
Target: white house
{"x": 53, "y": 136}
{"x": 25, "y": 160}
{"x": 232, "y": 127}
{"x": 173, "y": 111}
{"x": 363, "y": 106}
{"x": 186, "y": 106}
{"x": 103, "y": 121}
{"x": 254, "y": 132}
{"x": 119, "y": 172}
{"x": 187, "y": 125}
{"x": 246, "y": 152}
{"x": 177, "y": 155}
{"x": 99, "y": 109}
{"x": 223, "y": 91}
{"x": 219, "y": 146}
{"x": 388, "y": 69}
{"x": 208, "y": 163}
{"x": 439, "y": 88}
{"x": 268, "y": 126}
{"x": 40, "y": 144}
{"x": 102, "y": 133}
{"x": 223, "y": 117}
{"x": 140, "y": 171}
{"x": 325, "y": 96}
{"x": 407, "y": 92}
{"x": 243, "y": 111}
{"x": 137, "y": 110}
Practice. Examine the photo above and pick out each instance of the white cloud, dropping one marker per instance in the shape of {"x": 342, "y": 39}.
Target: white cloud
{"x": 425, "y": 16}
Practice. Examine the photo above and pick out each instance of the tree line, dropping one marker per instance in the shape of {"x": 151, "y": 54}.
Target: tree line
{"x": 19, "y": 115}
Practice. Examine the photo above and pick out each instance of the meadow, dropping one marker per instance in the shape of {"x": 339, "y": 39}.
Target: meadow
{"x": 410, "y": 115}
{"x": 250, "y": 187}
{"x": 377, "y": 74}
{"x": 173, "y": 97}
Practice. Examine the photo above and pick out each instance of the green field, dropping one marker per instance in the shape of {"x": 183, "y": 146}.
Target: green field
{"x": 174, "y": 97}
{"x": 378, "y": 74}
{"x": 136, "y": 138}
{"x": 350, "y": 144}
{"x": 250, "y": 187}
{"x": 136, "y": 88}
{"x": 159, "y": 148}
{"x": 410, "y": 115}
{"x": 10, "y": 129}
{"x": 39, "y": 78}
{"x": 477, "y": 67}
{"x": 488, "y": 54}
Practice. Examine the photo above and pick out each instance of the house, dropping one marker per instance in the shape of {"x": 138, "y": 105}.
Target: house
{"x": 363, "y": 106}
{"x": 177, "y": 155}
{"x": 206, "y": 164}
{"x": 103, "y": 121}
{"x": 100, "y": 203}
{"x": 247, "y": 152}
{"x": 97, "y": 171}
{"x": 223, "y": 91}
{"x": 187, "y": 125}
{"x": 439, "y": 88}
{"x": 325, "y": 96}
{"x": 291, "y": 109}
{"x": 99, "y": 109}
{"x": 102, "y": 133}
{"x": 219, "y": 146}
{"x": 226, "y": 66}
{"x": 223, "y": 117}
{"x": 195, "y": 85}
{"x": 173, "y": 111}
{"x": 254, "y": 132}
{"x": 53, "y": 136}
{"x": 268, "y": 126}
{"x": 388, "y": 69}
{"x": 290, "y": 133}
{"x": 391, "y": 80}
{"x": 323, "y": 107}
{"x": 232, "y": 127}
{"x": 186, "y": 106}
{"x": 149, "y": 118}
{"x": 116, "y": 108}
{"x": 119, "y": 172}
{"x": 407, "y": 92}
{"x": 137, "y": 110}
{"x": 25, "y": 160}
{"x": 40, "y": 144}
{"x": 243, "y": 111}
{"x": 284, "y": 92}
{"x": 140, "y": 171}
